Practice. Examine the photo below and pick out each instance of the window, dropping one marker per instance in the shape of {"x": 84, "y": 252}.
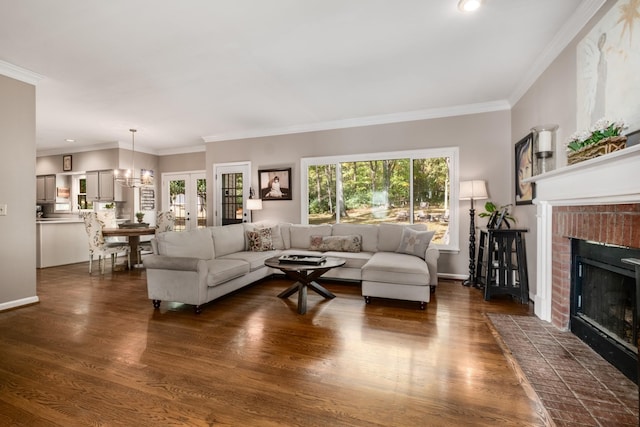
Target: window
{"x": 403, "y": 187}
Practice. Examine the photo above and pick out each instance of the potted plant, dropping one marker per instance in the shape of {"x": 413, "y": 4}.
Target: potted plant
{"x": 498, "y": 215}
{"x": 604, "y": 137}
{"x": 140, "y": 216}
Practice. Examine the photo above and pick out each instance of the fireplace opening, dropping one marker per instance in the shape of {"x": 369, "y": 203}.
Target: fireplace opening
{"x": 603, "y": 302}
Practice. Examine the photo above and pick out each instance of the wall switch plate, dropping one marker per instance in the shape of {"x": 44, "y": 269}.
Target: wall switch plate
{"x": 3, "y": 209}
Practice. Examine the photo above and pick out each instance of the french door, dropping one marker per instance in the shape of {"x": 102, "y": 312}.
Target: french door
{"x": 233, "y": 183}
{"x": 185, "y": 194}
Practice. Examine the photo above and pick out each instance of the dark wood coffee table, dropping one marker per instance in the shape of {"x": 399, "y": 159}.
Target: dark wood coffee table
{"x": 305, "y": 276}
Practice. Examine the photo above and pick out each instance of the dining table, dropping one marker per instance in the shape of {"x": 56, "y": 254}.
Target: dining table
{"x": 132, "y": 234}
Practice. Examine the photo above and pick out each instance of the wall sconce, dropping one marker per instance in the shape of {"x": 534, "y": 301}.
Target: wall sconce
{"x": 544, "y": 146}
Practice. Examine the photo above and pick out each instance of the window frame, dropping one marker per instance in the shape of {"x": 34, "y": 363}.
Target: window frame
{"x": 451, "y": 152}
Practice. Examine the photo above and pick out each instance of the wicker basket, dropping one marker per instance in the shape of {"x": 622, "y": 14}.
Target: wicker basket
{"x": 605, "y": 146}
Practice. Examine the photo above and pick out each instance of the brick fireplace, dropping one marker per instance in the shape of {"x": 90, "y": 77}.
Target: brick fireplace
{"x": 598, "y": 200}
{"x": 612, "y": 224}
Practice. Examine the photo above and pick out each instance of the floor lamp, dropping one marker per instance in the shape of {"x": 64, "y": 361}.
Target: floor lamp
{"x": 472, "y": 190}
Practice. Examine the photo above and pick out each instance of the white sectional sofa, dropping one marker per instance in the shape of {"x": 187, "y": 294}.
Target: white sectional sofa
{"x": 195, "y": 267}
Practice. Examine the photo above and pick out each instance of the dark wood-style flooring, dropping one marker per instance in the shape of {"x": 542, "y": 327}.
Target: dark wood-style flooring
{"x": 95, "y": 352}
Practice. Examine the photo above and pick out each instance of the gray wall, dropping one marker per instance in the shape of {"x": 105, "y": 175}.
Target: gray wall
{"x": 18, "y": 228}
{"x": 551, "y": 100}
{"x": 485, "y": 153}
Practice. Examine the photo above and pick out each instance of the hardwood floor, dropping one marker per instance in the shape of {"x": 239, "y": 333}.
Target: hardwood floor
{"x": 95, "y": 352}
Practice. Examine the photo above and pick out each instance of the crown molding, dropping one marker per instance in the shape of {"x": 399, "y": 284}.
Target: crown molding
{"x": 561, "y": 40}
{"x": 182, "y": 150}
{"x": 19, "y": 73}
{"x": 434, "y": 113}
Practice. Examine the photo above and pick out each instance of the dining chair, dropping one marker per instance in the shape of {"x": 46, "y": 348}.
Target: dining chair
{"x": 108, "y": 220}
{"x": 165, "y": 221}
{"x": 97, "y": 245}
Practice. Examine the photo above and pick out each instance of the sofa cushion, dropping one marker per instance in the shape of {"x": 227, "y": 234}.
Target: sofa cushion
{"x": 301, "y": 234}
{"x": 228, "y": 239}
{"x": 336, "y": 243}
{"x": 254, "y": 259}
{"x": 391, "y": 267}
{"x": 260, "y": 240}
{"x": 223, "y": 270}
{"x": 414, "y": 242}
{"x": 353, "y": 259}
{"x": 389, "y": 235}
{"x": 367, "y": 232}
{"x": 193, "y": 244}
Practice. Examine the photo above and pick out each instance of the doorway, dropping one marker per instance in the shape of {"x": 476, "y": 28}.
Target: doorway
{"x": 185, "y": 194}
{"x": 233, "y": 183}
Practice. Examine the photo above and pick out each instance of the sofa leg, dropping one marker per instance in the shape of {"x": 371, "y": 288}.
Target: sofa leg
{"x": 367, "y": 300}
{"x": 432, "y": 290}
{"x": 197, "y": 309}
{"x": 423, "y": 305}
{"x": 156, "y": 303}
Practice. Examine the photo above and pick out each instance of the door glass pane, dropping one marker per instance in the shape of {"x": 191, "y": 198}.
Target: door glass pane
{"x": 431, "y": 195}
{"x": 201, "y": 185}
{"x": 177, "y": 202}
{"x": 232, "y": 208}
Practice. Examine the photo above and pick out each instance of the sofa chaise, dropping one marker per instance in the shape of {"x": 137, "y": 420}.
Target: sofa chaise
{"x": 195, "y": 267}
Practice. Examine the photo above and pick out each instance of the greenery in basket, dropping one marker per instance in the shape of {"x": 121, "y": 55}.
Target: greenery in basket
{"x": 602, "y": 129}
{"x": 498, "y": 215}
{"x": 140, "y": 216}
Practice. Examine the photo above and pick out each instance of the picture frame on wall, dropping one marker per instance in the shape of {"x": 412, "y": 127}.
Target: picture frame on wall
{"x": 66, "y": 163}
{"x": 275, "y": 184}
{"x": 525, "y": 191}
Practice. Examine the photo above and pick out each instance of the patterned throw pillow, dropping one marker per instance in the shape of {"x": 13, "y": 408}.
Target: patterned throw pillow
{"x": 260, "y": 240}
{"x": 350, "y": 243}
{"x": 414, "y": 242}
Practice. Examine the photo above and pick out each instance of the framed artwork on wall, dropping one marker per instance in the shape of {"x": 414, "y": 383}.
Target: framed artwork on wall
{"x": 523, "y": 168}
{"x": 275, "y": 184}
{"x": 66, "y": 163}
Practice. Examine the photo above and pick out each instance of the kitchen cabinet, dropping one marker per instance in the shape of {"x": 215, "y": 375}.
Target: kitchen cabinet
{"x": 101, "y": 187}
{"x": 45, "y": 189}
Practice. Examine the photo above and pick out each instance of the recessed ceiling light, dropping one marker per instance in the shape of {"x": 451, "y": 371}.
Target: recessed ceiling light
{"x": 70, "y": 140}
{"x": 468, "y": 5}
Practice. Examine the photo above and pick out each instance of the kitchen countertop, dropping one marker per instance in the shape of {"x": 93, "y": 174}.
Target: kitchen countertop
{"x": 57, "y": 220}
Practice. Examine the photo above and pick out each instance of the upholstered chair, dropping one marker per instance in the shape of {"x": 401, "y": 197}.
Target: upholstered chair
{"x": 165, "y": 221}
{"x": 108, "y": 220}
{"x": 97, "y": 245}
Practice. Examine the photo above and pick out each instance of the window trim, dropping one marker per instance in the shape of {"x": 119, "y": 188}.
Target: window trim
{"x": 451, "y": 152}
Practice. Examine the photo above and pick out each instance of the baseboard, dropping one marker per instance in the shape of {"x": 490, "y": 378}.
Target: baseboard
{"x": 18, "y": 303}
{"x": 453, "y": 276}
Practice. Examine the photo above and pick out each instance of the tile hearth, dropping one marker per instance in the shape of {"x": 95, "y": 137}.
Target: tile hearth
{"x": 574, "y": 384}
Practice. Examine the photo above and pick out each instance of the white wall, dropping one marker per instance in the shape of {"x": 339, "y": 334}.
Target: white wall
{"x": 17, "y": 174}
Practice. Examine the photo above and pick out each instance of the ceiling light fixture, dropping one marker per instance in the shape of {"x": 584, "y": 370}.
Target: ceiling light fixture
{"x": 469, "y": 5}
{"x": 129, "y": 179}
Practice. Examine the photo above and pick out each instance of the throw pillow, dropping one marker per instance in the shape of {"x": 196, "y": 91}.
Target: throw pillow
{"x": 351, "y": 243}
{"x": 260, "y": 240}
{"x": 415, "y": 242}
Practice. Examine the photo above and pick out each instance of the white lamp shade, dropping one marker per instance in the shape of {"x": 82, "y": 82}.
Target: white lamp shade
{"x": 254, "y": 204}
{"x": 473, "y": 190}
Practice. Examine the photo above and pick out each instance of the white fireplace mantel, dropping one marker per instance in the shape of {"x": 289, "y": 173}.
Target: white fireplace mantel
{"x": 610, "y": 179}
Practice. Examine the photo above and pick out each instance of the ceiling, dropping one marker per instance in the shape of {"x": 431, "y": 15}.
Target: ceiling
{"x": 185, "y": 73}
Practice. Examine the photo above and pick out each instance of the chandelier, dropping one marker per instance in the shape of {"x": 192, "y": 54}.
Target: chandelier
{"x": 128, "y": 179}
